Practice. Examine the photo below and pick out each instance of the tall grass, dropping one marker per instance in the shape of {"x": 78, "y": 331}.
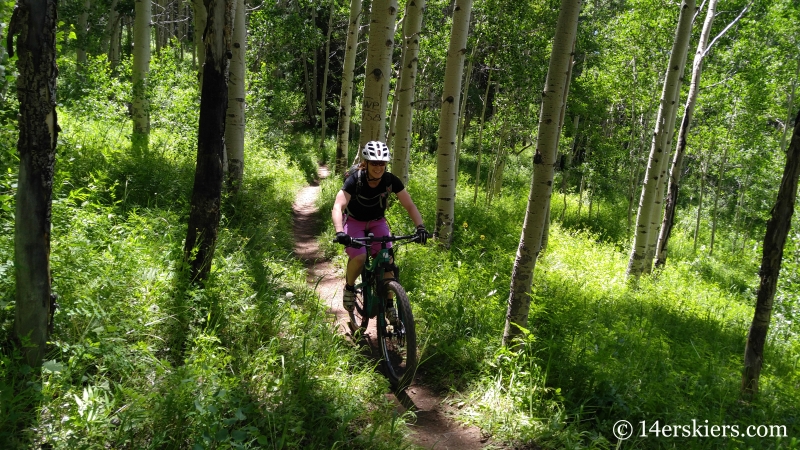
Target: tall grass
{"x": 140, "y": 359}
{"x": 597, "y": 350}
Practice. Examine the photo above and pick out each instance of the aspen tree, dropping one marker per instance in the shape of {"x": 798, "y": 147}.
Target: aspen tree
{"x": 448, "y": 124}
{"x": 412, "y": 26}
{"x": 677, "y": 163}
{"x": 83, "y": 31}
{"x": 519, "y": 299}
{"x": 113, "y": 34}
{"x": 346, "y": 96}
{"x": 647, "y": 218}
{"x": 200, "y": 19}
{"x": 378, "y": 71}
{"x": 324, "y": 105}
{"x": 778, "y": 228}
{"x": 204, "y": 211}
{"x": 33, "y": 23}
{"x": 235, "y": 126}
{"x": 480, "y": 132}
{"x": 141, "y": 67}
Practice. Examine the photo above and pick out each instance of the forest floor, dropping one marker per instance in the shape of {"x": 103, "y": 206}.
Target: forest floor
{"x": 434, "y": 426}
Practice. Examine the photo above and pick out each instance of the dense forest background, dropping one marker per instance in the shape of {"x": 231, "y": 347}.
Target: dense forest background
{"x": 141, "y": 357}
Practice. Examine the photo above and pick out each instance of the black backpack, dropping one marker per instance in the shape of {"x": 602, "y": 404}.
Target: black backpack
{"x": 360, "y": 176}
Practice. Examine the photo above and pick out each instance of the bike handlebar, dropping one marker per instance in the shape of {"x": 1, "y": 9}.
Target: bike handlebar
{"x": 364, "y": 241}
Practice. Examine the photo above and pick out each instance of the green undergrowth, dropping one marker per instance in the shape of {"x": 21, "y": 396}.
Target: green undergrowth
{"x": 597, "y": 349}
{"x": 138, "y": 358}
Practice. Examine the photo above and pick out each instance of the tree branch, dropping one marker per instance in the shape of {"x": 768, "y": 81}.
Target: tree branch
{"x": 721, "y": 33}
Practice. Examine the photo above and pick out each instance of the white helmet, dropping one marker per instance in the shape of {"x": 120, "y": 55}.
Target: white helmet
{"x": 375, "y": 151}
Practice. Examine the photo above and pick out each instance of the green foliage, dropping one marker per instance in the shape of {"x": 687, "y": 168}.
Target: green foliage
{"x": 138, "y": 358}
{"x": 596, "y": 350}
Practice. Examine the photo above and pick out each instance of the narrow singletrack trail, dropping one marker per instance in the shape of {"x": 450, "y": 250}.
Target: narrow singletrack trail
{"x": 434, "y": 426}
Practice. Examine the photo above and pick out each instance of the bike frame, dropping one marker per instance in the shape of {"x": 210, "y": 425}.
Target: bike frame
{"x": 372, "y": 282}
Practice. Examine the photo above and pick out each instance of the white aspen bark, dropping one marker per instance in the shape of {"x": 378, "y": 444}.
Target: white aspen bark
{"x": 658, "y": 151}
{"x": 378, "y": 71}
{"x": 141, "y": 67}
{"x": 314, "y": 64}
{"x": 448, "y": 124}
{"x": 346, "y": 96}
{"x": 658, "y": 201}
{"x": 325, "y": 77}
{"x": 83, "y": 31}
{"x": 683, "y": 132}
{"x": 200, "y": 19}
{"x": 235, "y": 118}
{"x": 519, "y": 298}
{"x": 480, "y": 134}
{"x": 393, "y": 116}
{"x": 114, "y": 35}
{"x": 110, "y": 26}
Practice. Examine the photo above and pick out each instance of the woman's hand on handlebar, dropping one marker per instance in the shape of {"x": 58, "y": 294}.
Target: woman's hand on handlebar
{"x": 422, "y": 234}
{"x": 343, "y": 238}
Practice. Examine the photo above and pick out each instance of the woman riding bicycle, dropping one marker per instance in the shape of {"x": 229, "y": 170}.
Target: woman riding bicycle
{"x": 369, "y": 188}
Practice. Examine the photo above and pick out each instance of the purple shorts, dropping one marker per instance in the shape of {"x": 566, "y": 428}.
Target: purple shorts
{"x": 356, "y": 228}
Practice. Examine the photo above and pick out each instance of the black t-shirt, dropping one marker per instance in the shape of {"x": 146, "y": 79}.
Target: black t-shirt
{"x": 368, "y": 203}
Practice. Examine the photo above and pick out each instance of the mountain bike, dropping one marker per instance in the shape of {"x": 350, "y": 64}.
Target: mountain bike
{"x": 398, "y": 341}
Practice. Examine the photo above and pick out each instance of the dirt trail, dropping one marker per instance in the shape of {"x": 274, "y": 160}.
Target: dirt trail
{"x": 434, "y": 427}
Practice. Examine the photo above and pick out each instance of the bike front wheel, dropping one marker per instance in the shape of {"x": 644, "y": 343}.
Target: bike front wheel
{"x": 398, "y": 341}
{"x": 358, "y": 316}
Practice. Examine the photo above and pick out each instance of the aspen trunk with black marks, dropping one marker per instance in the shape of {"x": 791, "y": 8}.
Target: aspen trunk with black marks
{"x": 519, "y": 299}
{"x": 204, "y": 214}
{"x": 649, "y": 202}
{"x": 448, "y": 124}
{"x": 346, "y": 96}
{"x": 33, "y": 23}
{"x": 378, "y": 71}
{"x": 677, "y": 162}
{"x": 546, "y": 230}
{"x": 141, "y": 67}
{"x": 778, "y": 228}
{"x": 235, "y": 126}
{"x": 412, "y": 26}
